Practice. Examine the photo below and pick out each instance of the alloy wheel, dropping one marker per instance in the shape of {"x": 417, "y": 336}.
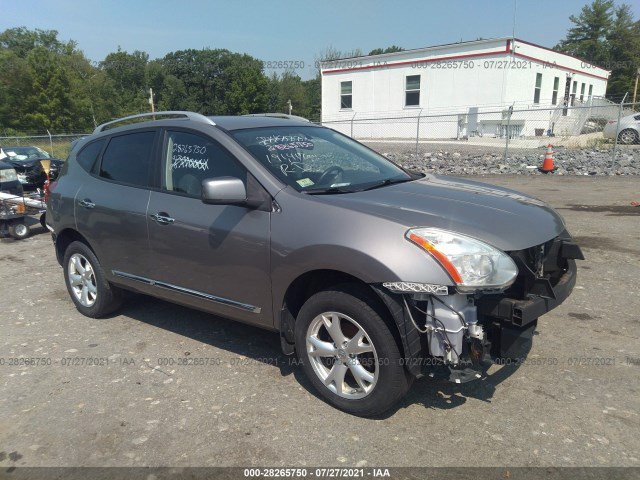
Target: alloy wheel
{"x": 342, "y": 355}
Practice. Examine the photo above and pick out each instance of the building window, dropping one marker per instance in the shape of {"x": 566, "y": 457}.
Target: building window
{"x": 573, "y": 93}
{"x": 582, "y": 92}
{"x": 412, "y": 91}
{"x": 536, "y": 92}
{"x": 556, "y": 84}
{"x": 590, "y": 91}
{"x": 346, "y": 95}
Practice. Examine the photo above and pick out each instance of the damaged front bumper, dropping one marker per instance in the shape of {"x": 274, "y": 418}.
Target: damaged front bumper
{"x": 458, "y": 336}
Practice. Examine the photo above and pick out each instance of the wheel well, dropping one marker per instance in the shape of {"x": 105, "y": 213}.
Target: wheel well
{"x": 64, "y": 239}
{"x": 315, "y": 281}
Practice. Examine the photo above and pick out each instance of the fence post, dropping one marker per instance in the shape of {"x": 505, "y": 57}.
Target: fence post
{"x": 50, "y": 142}
{"x": 418, "y": 131}
{"x": 352, "y": 118}
{"x": 506, "y": 145}
{"x": 615, "y": 144}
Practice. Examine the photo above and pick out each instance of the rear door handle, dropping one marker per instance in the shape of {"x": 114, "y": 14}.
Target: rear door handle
{"x": 162, "y": 218}
{"x": 86, "y": 203}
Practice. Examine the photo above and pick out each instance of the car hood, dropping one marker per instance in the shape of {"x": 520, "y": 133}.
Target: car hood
{"x": 4, "y": 164}
{"x": 26, "y": 163}
{"x": 504, "y": 218}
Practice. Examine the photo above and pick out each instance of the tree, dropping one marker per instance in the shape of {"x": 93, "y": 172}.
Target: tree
{"x": 15, "y": 86}
{"x": 217, "y": 81}
{"x": 290, "y": 87}
{"x": 391, "y": 49}
{"x": 39, "y": 84}
{"x": 589, "y": 37}
{"x": 608, "y": 37}
{"x": 128, "y": 73}
{"x": 49, "y": 104}
{"x": 314, "y": 98}
{"x": 21, "y": 41}
{"x": 624, "y": 49}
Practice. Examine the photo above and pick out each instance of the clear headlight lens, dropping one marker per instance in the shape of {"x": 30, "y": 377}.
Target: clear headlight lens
{"x": 8, "y": 175}
{"x": 470, "y": 263}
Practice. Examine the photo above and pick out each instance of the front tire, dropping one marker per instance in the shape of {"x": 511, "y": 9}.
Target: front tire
{"x": 86, "y": 283}
{"x": 349, "y": 353}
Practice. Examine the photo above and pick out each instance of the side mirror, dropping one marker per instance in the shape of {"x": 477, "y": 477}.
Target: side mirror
{"x": 224, "y": 191}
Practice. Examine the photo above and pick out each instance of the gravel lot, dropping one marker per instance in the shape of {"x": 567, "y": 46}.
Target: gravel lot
{"x": 462, "y": 159}
{"x": 575, "y": 403}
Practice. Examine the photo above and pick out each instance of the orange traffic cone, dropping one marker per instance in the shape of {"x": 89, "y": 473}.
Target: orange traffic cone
{"x": 547, "y": 164}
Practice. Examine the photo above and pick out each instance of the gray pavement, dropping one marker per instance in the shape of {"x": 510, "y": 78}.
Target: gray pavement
{"x": 116, "y": 391}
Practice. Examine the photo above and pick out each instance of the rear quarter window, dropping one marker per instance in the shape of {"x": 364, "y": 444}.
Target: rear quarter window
{"x": 89, "y": 154}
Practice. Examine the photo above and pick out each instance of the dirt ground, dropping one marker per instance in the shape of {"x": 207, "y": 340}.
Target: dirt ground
{"x": 116, "y": 392}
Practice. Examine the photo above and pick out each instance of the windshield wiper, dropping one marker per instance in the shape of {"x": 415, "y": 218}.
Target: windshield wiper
{"x": 384, "y": 183}
{"x": 327, "y": 190}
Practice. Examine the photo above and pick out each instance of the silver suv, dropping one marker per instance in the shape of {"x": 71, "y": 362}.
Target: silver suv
{"x": 372, "y": 275}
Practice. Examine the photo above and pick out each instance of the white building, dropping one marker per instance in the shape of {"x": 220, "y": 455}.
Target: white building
{"x": 458, "y": 89}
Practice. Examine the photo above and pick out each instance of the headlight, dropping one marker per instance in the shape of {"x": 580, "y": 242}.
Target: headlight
{"x": 470, "y": 263}
{"x": 8, "y": 175}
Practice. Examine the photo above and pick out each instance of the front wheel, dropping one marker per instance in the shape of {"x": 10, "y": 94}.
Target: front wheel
{"x": 349, "y": 353}
{"x": 88, "y": 287}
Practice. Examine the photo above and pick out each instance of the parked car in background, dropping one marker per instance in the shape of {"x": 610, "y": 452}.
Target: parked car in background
{"x": 26, "y": 161}
{"x": 628, "y": 130}
{"x": 9, "y": 182}
{"x": 373, "y": 275}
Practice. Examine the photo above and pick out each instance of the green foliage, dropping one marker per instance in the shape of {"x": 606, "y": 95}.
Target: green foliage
{"x": 217, "y": 82}
{"x": 48, "y": 84}
{"x": 608, "y": 37}
{"x": 391, "y": 49}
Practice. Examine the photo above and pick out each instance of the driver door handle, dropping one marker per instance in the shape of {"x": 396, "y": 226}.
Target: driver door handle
{"x": 86, "y": 203}
{"x": 162, "y": 218}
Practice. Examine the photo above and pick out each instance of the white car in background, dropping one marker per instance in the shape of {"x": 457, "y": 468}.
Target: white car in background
{"x": 628, "y": 130}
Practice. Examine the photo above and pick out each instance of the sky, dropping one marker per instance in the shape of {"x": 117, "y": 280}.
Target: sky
{"x": 288, "y": 30}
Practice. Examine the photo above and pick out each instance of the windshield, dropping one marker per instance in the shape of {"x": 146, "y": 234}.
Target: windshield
{"x": 319, "y": 160}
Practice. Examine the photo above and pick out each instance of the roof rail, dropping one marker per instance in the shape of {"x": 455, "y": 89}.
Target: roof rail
{"x": 174, "y": 113}
{"x": 277, "y": 115}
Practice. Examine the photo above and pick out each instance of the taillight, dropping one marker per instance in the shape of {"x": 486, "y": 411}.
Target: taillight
{"x": 48, "y": 188}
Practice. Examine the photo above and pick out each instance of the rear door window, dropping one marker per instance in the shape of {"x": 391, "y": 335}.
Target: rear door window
{"x": 127, "y": 159}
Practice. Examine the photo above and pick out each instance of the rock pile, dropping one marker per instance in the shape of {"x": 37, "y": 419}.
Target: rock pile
{"x": 522, "y": 162}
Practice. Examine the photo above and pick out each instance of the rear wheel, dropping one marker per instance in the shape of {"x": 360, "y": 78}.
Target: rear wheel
{"x": 19, "y": 231}
{"x": 88, "y": 287}
{"x": 628, "y": 137}
{"x": 349, "y": 353}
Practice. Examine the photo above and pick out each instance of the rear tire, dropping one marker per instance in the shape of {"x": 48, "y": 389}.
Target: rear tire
{"x": 349, "y": 353}
{"x": 86, "y": 283}
{"x": 19, "y": 231}
{"x": 628, "y": 137}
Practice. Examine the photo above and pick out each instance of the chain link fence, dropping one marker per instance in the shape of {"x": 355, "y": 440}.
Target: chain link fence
{"x": 594, "y": 124}
{"x": 57, "y": 145}
{"x": 505, "y": 133}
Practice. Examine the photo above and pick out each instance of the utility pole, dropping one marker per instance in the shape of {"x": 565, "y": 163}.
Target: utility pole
{"x": 153, "y": 107}
{"x": 635, "y": 89}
